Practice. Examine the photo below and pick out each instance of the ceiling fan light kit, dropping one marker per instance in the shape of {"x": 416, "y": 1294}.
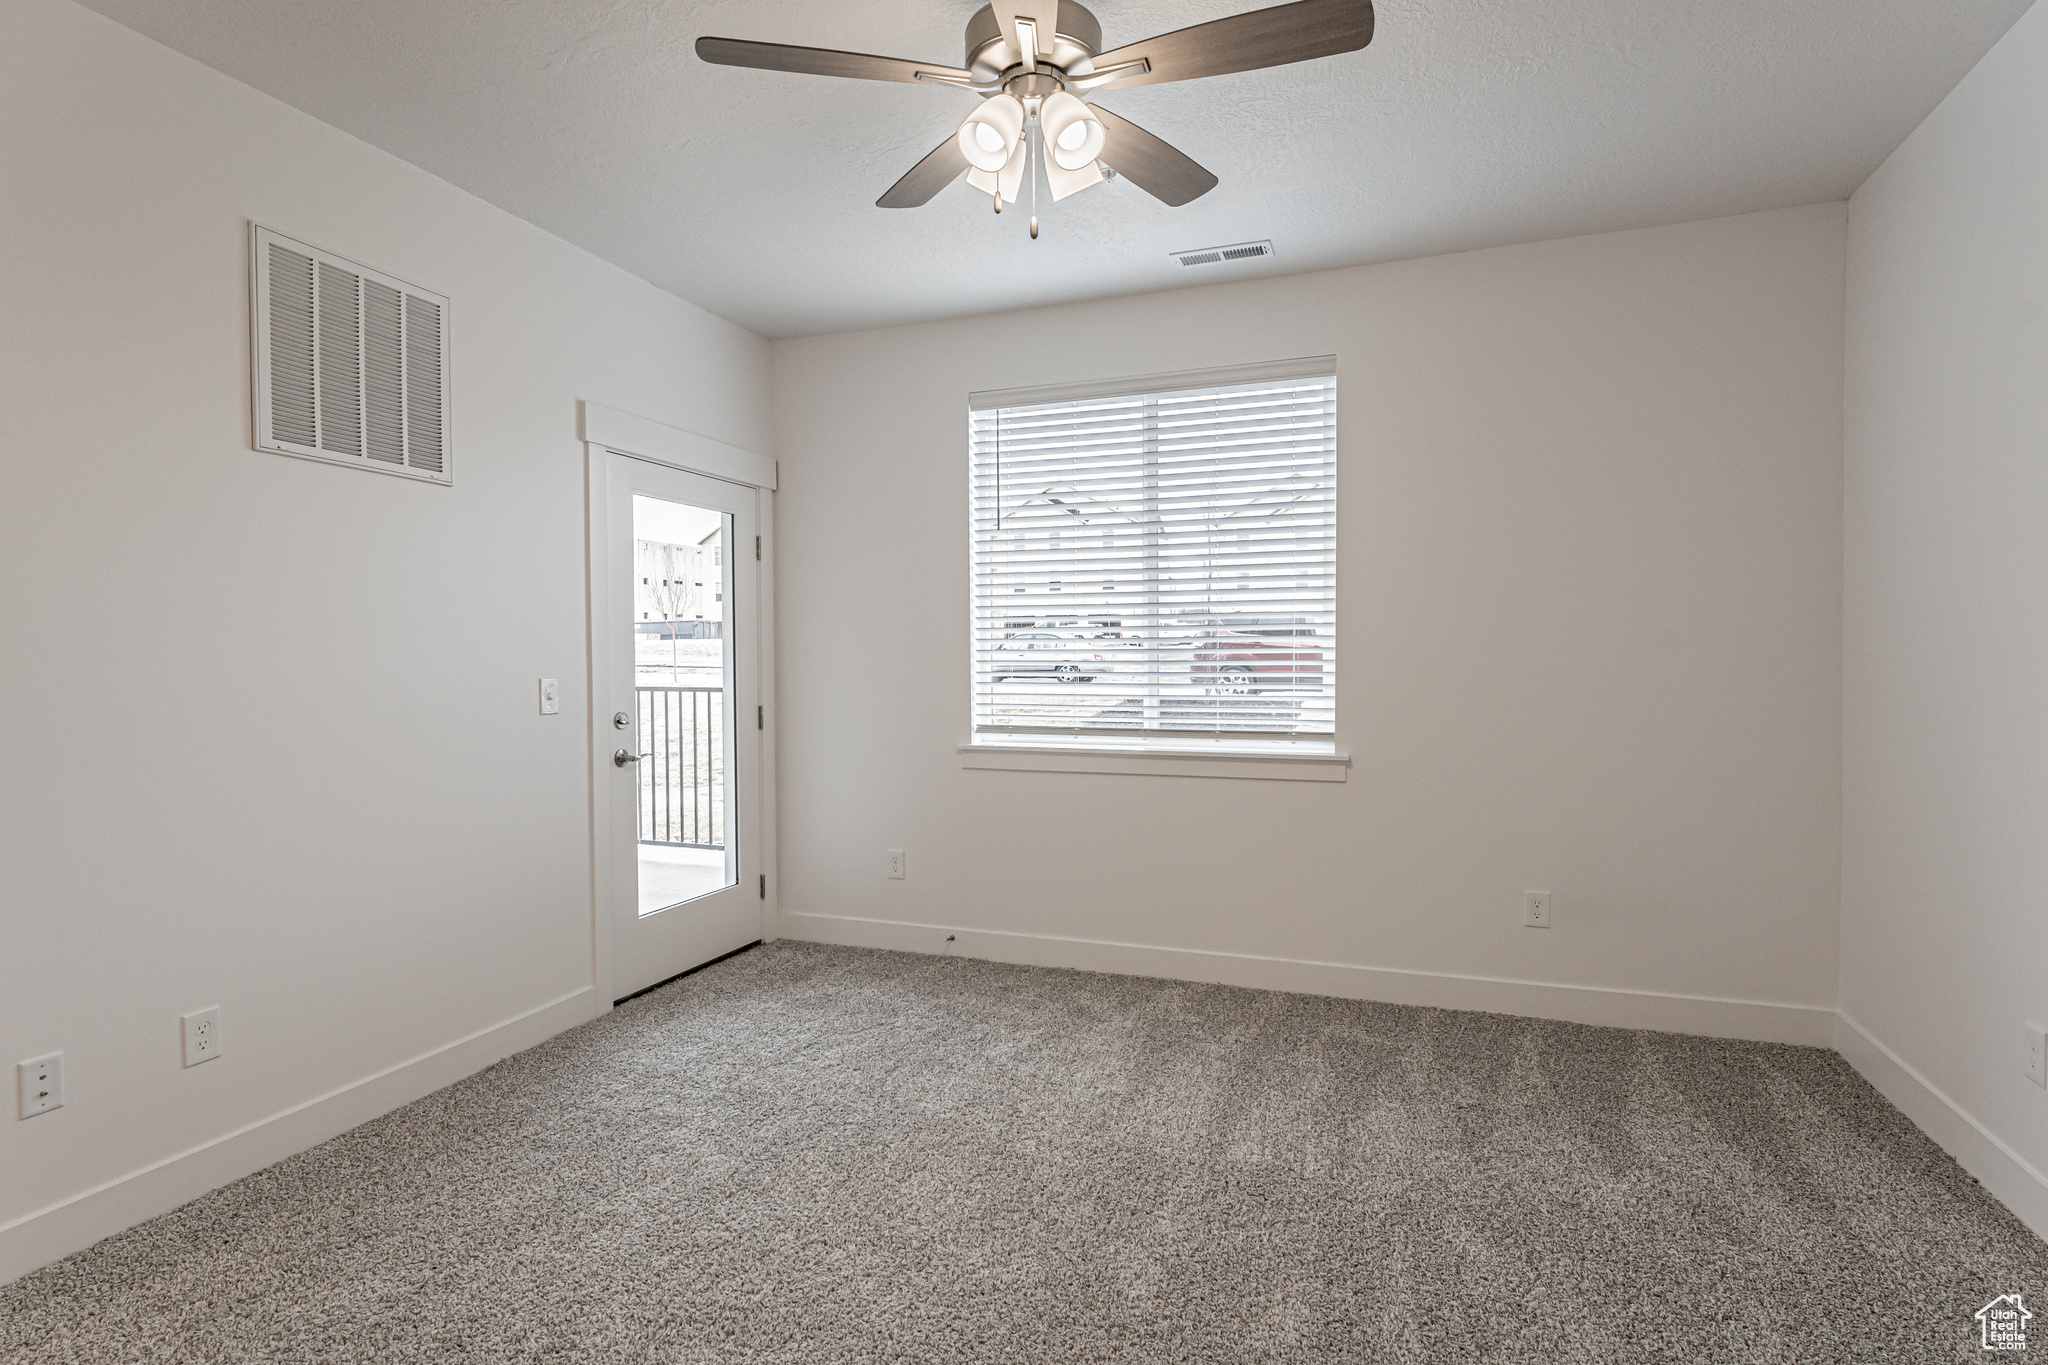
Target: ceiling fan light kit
{"x": 1037, "y": 65}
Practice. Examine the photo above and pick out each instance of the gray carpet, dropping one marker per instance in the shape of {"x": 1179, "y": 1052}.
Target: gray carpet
{"x": 824, "y": 1154}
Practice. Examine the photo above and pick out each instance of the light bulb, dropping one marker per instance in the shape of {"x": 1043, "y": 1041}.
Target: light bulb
{"x": 990, "y": 133}
{"x": 1076, "y": 135}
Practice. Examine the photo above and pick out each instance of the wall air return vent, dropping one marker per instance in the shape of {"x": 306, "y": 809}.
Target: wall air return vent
{"x": 351, "y": 364}
{"x": 1218, "y": 255}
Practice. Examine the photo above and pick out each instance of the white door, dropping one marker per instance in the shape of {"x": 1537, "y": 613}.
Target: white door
{"x": 678, "y": 736}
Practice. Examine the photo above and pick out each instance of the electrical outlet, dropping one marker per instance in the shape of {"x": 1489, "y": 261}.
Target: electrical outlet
{"x": 2037, "y": 1055}
{"x": 42, "y": 1084}
{"x": 551, "y": 696}
{"x": 896, "y": 864}
{"x": 201, "y": 1032}
{"x": 1536, "y": 909}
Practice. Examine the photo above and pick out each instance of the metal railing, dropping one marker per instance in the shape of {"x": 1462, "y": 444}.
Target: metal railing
{"x": 682, "y": 777}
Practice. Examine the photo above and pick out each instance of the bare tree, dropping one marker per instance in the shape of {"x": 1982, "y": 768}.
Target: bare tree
{"x": 673, "y": 596}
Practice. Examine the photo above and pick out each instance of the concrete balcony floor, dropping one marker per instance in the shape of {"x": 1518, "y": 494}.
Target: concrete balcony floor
{"x": 669, "y": 876}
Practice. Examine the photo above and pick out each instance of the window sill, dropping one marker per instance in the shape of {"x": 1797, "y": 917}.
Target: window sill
{"x": 1157, "y": 763}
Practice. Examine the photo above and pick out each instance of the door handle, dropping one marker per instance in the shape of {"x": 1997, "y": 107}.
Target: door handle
{"x": 620, "y": 758}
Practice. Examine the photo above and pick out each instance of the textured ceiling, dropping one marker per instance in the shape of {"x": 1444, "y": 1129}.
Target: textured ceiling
{"x": 1466, "y": 123}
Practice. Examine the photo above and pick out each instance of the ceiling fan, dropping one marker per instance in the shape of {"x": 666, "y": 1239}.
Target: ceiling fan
{"x": 1037, "y": 63}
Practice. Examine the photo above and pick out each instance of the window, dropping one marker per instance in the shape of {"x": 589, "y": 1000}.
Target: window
{"x": 1154, "y": 565}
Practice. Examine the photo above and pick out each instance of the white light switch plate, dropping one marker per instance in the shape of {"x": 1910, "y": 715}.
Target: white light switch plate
{"x": 42, "y": 1084}
{"x": 551, "y": 696}
{"x": 201, "y": 1033}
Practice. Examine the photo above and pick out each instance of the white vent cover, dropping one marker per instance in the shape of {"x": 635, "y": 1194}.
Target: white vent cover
{"x": 351, "y": 364}
{"x": 1217, "y": 255}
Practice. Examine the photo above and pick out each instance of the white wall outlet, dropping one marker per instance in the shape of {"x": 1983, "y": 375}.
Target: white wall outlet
{"x": 2037, "y": 1055}
{"x": 1536, "y": 909}
{"x": 896, "y": 864}
{"x": 551, "y": 696}
{"x": 42, "y": 1084}
{"x": 201, "y": 1031}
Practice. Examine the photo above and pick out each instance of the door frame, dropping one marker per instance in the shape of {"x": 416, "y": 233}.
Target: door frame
{"x": 607, "y": 432}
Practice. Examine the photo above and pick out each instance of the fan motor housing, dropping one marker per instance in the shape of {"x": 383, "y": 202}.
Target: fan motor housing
{"x": 990, "y": 53}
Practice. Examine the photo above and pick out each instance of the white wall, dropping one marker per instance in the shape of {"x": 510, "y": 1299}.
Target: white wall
{"x": 271, "y": 737}
{"x": 1590, "y": 637}
{"x": 1945, "y": 789}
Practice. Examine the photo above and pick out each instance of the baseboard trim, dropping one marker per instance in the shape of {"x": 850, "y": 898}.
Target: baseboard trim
{"x": 75, "y": 1223}
{"x": 1810, "y": 1025}
{"x": 2008, "y": 1175}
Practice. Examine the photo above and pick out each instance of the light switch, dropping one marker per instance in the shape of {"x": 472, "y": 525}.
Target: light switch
{"x": 550, "y": 696}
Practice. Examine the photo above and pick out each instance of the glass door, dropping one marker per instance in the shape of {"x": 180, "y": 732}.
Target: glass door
{"x": 682, "y": 686}
{"x": 683, "y": 722}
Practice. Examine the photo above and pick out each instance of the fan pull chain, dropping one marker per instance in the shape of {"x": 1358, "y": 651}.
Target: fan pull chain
{"x": 998, "y": 194}
{"x": 1030, "y": 169}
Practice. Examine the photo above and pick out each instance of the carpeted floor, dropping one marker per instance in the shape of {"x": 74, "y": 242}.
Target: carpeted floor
{"x": 810, "y": 1154}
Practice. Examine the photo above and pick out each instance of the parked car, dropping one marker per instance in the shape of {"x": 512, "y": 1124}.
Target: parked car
{"x": 1251, "y": 661}
{"x": 1041, "y": 654}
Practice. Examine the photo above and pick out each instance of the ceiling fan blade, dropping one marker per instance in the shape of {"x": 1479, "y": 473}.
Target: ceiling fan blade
{"x": 1155, "y": 167}
{"x": 822, "y": 61}
{"x": 1246, "y": 42}
{"x": 927, "y": 177}
{"x": 1042, "y": 15}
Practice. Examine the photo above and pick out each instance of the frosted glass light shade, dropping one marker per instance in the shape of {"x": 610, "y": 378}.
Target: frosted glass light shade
{"x": 1006, "y": 182}
{"x": 1073, "y": 135}
{"x": 990, "y": 133}
{"x": 1064, "y": 182}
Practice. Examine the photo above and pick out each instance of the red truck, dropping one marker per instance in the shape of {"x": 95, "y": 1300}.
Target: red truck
{"x": 1257, "y": 659}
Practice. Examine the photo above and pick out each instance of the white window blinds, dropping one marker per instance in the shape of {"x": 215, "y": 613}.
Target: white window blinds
{"x": 1158, "y": 569}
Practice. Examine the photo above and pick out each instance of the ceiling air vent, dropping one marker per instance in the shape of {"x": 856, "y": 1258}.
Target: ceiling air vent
{"x": 1217, "y": 255}
{"x": 351, "y": 364}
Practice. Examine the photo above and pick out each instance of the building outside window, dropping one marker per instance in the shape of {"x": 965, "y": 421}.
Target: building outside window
{"x": 672, "y": 582}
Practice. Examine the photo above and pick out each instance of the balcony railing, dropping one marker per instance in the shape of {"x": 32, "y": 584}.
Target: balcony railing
{"x": 682, "y": 779}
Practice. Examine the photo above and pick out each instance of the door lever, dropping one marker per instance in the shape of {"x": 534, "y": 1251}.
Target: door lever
{"x": 620, "y": 758}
